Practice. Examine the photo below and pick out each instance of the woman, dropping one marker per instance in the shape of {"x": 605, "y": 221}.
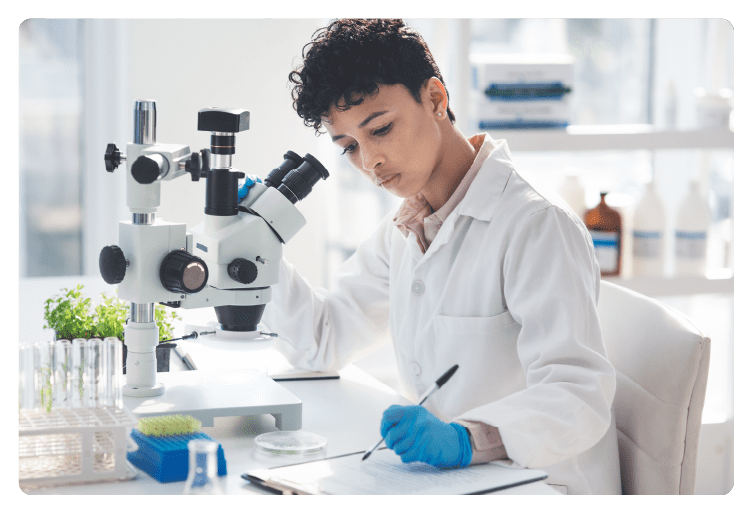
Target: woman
{"x": 477, "y": 268}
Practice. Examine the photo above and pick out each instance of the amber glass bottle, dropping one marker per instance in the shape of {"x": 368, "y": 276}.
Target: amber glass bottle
{"x": 605, "y": 228}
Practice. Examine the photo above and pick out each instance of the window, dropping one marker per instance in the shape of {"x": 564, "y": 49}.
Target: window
{"x": 50, "y": 101}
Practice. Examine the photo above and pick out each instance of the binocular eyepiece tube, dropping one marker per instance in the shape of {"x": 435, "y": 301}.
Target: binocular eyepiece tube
{"x": 296, "y": 176}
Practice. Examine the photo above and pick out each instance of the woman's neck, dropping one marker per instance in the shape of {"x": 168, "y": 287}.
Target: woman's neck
{"x": 456, "y": 159}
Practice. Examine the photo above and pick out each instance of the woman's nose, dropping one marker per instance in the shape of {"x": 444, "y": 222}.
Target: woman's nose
{"x": 371, "y": 158}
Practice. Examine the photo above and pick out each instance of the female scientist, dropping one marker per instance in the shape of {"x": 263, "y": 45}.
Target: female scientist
{"x": 477, "y": 268}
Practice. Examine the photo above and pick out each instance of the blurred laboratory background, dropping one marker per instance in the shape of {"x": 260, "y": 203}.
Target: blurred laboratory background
{"x": 640, "y": 110}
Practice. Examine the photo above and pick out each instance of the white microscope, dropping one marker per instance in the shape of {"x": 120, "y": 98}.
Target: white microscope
{"x": 229, "y": 261}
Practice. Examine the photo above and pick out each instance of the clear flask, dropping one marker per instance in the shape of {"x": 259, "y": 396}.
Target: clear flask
{"x": 202, "y": 473}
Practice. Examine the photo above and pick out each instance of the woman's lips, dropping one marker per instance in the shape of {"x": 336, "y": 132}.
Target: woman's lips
{"x": 388, "y": 182}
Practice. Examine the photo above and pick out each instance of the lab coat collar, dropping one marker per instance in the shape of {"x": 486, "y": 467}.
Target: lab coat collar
{"x": 481, "y": 199}
{"x": 479, "y": 202}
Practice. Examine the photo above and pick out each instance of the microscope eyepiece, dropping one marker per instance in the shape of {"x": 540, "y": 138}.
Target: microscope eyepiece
{"x": 291, "y": 161}
{"x": 298, "y": 183}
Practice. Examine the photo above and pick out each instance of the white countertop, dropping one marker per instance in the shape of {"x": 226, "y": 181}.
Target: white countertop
{"x": 347, "y": 411}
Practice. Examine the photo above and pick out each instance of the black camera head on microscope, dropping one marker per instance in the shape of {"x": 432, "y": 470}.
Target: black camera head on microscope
{"x": 223, "y": 120}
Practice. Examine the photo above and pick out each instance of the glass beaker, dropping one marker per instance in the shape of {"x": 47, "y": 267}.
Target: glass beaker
{"x": 202, "y": 475}
{"x": 78, "y": 374}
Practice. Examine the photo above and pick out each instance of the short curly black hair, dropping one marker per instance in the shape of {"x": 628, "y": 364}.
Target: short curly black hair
{"x": 349, "y": 58}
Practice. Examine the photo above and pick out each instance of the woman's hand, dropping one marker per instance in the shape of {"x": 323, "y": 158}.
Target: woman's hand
{"x": 250, "y": 181}
{"x": 417, "y": 435}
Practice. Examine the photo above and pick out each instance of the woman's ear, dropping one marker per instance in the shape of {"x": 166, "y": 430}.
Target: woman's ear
{"x": 438, "y": 97}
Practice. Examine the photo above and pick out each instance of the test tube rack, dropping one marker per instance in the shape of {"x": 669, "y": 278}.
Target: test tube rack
{"x": 75, "y": 445}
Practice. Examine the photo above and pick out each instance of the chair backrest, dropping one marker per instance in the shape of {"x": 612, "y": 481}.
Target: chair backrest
{"x": 662, "y": 362}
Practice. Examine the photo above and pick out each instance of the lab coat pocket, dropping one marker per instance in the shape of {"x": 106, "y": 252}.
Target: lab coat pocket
{"x": 485, "y": 350}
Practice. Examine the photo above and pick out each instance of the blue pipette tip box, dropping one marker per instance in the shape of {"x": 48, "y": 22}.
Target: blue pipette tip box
{"x": 166, "y": 458}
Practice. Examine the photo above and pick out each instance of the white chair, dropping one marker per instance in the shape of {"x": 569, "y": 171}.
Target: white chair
{"x": 662, "y": 362}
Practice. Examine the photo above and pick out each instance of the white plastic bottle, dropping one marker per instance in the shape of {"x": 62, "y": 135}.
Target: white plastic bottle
{"x": 572, "y": 191}
{"x": 691, "y": 228}
{"x": 649, "y": 234}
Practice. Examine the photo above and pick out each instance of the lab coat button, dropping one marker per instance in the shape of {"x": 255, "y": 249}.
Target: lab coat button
{"x": 418, "y": 287}
{"x": 415, "y": 368}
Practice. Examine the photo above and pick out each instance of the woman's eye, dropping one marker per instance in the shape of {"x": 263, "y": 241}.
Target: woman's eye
{"x": 384, "y": 130}
{"x": 349, "y": 149}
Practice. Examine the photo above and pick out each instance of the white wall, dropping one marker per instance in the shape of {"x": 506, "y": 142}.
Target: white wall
{"x": 187, "y": 65}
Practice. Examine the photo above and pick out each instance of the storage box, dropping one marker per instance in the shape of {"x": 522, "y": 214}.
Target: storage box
{"x": 167, "y": 459}
{"x": 512, "y": 91}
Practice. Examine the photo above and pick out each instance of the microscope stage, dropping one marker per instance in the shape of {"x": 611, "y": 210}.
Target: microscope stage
{"x": 208, "y": 394}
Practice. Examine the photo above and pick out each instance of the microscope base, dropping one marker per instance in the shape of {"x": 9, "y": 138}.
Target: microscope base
{"x": 142, "y": 391}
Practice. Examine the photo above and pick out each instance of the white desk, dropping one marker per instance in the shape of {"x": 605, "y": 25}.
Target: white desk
{"x": 347, "y": 411}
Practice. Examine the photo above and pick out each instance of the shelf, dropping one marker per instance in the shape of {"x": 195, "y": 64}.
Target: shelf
{"x": 614, "y": 137}
{"x": 664, "y": 286}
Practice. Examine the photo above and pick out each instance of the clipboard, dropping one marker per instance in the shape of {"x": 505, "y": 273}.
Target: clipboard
{"x": 384, "y": 473}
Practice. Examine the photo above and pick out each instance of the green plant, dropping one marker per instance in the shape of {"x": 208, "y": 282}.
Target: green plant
{"x": 164, "y": 322}
{"x": 110, "y": 316}
{"x": 71, "y": 315}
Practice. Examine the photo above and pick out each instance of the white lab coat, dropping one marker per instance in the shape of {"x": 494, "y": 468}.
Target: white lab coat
{"x": 508, "y": 290}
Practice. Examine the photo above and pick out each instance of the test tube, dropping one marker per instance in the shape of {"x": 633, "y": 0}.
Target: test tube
{"x": 61, "y": 390}
{"x": 95, "y": 369}
{"x": 78, "y": 374}
{"x": 25, "y": 376}
{"x": 44, "y": 355}
{"x": 113, "y": 370}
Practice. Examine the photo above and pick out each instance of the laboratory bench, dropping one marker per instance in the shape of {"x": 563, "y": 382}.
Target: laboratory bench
{"x": 346, "y": 411}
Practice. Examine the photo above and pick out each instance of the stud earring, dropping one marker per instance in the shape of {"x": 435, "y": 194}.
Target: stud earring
{"x": 440, "y": 114}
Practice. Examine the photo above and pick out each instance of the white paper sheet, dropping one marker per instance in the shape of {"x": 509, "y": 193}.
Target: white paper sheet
{"x": 384, "y": 473}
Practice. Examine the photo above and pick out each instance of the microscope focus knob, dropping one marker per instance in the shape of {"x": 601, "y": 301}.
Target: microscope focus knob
{"x": 146, "y": 169}
{"x": 181, "y": 272}
{"x": 242, "y": 270}
{"x": 112, "y": 264}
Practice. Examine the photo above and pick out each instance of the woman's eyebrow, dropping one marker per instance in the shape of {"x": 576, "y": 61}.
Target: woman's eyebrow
{"x": 361, "y": 125}
{"x": 370, "y": 118}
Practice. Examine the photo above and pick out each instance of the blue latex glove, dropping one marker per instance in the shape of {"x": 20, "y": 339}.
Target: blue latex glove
{"x": 417, "y": 435}
{"x": 250, "y": 181}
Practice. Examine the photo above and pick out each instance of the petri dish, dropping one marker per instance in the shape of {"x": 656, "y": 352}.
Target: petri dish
{"x": 293, "y": 443}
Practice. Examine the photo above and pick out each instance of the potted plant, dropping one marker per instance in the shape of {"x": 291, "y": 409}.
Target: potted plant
{"x": 71, "y": 315}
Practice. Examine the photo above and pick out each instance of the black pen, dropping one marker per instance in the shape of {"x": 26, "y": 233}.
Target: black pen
{"x": 436, "y": 385}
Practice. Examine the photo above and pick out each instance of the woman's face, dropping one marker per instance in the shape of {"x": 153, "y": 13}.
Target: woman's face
{"x": 390, "y": 138}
